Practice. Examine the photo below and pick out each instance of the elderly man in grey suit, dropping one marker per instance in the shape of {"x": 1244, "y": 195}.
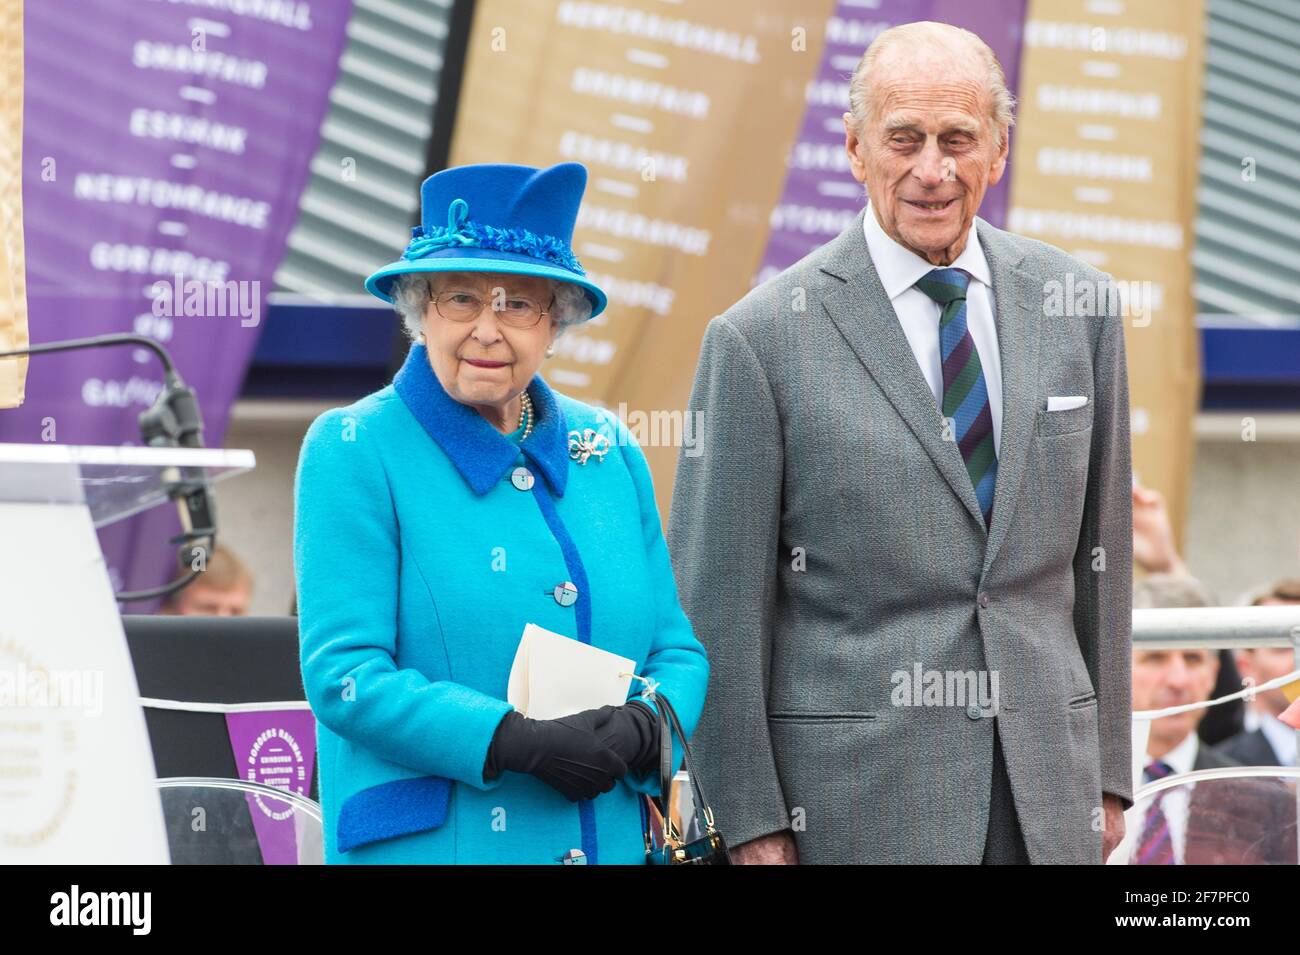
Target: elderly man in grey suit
{"x": 907, "y": 539}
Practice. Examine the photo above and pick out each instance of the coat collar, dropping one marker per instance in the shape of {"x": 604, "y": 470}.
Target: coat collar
{"x": 480, "y": 452}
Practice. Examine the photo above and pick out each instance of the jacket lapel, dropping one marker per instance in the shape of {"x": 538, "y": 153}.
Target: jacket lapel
{"x": 865, "y": 317}
{"x": 1019, "y": 327}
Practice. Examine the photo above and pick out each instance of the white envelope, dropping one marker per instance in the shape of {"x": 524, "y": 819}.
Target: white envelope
{"x": 1067, "y": 402}
{"x": 556, "y": 676}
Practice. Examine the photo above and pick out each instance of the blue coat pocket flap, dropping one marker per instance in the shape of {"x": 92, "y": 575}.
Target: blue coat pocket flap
{"x": 398, "y": 808}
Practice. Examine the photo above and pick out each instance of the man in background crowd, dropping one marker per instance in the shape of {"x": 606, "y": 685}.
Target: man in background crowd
{"x": 1168, "y": 583}
{"x": 225, "y": 589}
{"x": 1218, "y": 822}
{"x": 1174, "y": 677}
{"x": 1266, "y": 740}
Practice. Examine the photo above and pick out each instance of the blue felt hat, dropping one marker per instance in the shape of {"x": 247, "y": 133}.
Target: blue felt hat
{"x": 495, "y": 217}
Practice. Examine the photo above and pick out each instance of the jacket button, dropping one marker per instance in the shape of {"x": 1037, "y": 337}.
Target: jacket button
{"x": 565, "y": 594}
{"x": 974, "y": 712}
{"x": 984, "y": 600}
{"x": 522, "y": 478}
{"x": 574, "y": 857}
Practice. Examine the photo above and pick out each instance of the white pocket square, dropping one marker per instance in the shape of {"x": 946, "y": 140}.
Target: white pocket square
{"x": 1066, "y": 402}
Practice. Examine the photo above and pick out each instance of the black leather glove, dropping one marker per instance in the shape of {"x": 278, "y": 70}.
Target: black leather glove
{"x": 567, "y": 754}
{"x": 632, "y": 731}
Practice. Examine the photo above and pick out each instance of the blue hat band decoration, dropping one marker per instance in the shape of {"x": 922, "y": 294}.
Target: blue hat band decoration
{"x": 460, "y": 232}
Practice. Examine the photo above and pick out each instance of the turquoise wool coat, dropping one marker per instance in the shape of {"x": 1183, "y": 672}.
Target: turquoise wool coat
{"x": 424, "y": 541}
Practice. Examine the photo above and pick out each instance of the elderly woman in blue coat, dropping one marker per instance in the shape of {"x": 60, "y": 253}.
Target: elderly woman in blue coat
{"x": 438, "y": 516}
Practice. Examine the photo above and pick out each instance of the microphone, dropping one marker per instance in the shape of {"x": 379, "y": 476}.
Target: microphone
{"x": 173, "y": 421}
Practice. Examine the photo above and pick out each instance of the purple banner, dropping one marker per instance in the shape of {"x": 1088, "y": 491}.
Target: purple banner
{"x": 276, "y": 748}
{"x": 821, "y": 197}
{"x": 166, "y": 146}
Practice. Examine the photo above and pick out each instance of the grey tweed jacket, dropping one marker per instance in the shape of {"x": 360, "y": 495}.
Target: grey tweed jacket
{"x": 830, "y": 552}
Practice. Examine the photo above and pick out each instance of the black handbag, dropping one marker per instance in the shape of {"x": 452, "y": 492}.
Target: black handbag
{"x": 671, "y": 848}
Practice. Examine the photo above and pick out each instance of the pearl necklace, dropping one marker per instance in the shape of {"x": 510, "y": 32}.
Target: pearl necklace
{"x": 526, "y": 415}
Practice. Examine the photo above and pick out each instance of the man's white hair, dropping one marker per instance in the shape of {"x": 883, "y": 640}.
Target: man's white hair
{"x": 412, "y": 292}
{"x": 861, "y": 102}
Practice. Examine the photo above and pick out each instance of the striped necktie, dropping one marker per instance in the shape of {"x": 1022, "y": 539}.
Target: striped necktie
{"x": 965, "y": 397}
{"x": 1156, "y": 844}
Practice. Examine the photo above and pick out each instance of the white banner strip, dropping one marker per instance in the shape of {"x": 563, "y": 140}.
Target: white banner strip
{"x": 191, "y": 707}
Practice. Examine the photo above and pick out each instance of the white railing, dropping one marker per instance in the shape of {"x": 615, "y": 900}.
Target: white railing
{"x": 1228, "y": 628}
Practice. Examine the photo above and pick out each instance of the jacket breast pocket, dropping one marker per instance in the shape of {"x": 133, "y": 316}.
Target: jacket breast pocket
{"x": 392, "y": 809}
{"x": 1065, "y": 422}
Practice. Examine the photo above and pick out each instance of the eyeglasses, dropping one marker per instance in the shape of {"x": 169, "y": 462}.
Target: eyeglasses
{"x": 515, "y": 311}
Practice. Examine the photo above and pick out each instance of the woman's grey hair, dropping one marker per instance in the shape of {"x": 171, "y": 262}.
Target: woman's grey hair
{"x": 860, "y": 91}
{"x": 412, "y": 292}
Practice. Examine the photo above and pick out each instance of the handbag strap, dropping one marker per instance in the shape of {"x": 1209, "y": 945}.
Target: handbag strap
{"x": 668, "y": 724}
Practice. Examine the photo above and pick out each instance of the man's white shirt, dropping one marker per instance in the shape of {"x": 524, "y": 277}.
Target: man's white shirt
{"x": 899, "y": 269}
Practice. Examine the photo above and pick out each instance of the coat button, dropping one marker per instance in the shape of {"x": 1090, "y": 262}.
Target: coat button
{"x": 974, "y": 712}
{"x": 522, "y": 478}
{"x": 574, "y": 857}
{"x": 565, "y": 594}
{"x": 984, "y": 600}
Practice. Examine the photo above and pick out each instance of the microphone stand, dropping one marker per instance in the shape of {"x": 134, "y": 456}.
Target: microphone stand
{"x": 173, "y": 421}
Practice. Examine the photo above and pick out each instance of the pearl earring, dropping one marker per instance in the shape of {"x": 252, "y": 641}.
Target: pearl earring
{"x": 550, "y": 350}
